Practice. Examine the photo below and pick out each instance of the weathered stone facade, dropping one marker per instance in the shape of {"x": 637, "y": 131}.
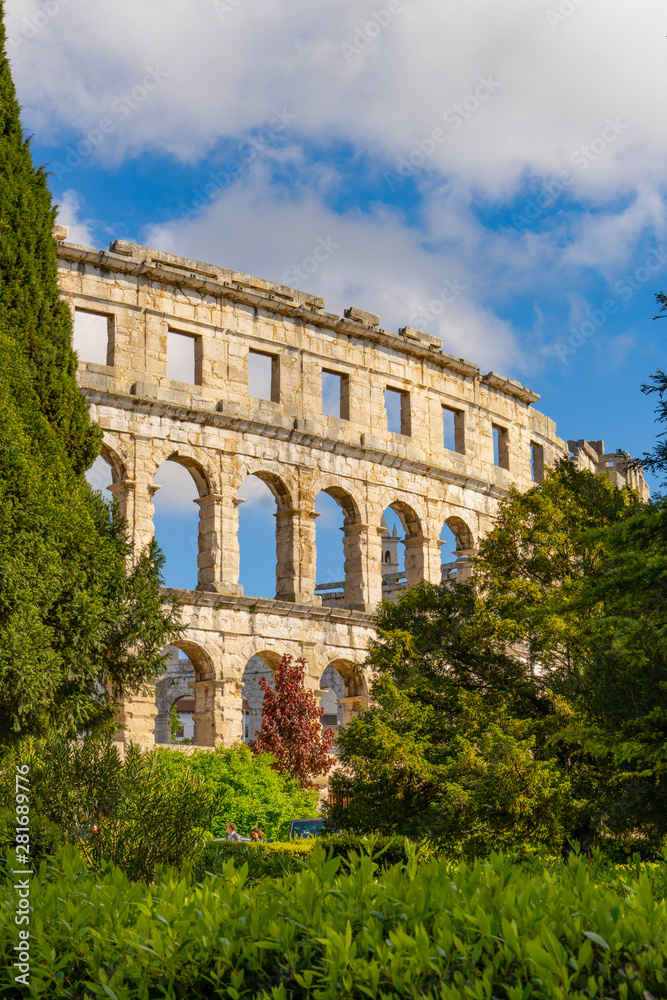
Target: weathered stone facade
{"x": 221, "y": 434}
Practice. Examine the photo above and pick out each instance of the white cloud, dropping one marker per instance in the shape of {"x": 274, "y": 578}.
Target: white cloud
{"x": 69, "y": 211}
{"x": 374, "y": 261}
{"x": 516, "y": 94}
{"x": 221, "y": 76}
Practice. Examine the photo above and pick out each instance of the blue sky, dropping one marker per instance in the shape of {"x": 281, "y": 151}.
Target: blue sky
{"x": 490, "y": 173}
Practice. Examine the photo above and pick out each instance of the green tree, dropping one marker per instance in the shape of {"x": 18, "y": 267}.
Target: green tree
{"x": 487, "y": 680}
{"x": 246, "y": 789}
{"x": 74, "y": 620}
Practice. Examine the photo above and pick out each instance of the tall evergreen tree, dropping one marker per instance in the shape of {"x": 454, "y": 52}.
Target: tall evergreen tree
{"x": 74, "y": 620}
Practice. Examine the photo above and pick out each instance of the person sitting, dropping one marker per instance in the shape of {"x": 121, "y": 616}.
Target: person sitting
{"x": 231, "y": 832}
{"x": 257, "y": 836}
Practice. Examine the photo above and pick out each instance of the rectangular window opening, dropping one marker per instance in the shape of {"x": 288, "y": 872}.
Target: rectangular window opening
{"x": 335, "y": 395}
{"x": 184, "y": 357}
{"x": 397, "y": 405}
{"x": 453, "y": 428}
{"x": 501, "y": 455}
{"x": 536, "y": 462}
{"x": 93, "y": 337}
{"x": 263, "y": 376}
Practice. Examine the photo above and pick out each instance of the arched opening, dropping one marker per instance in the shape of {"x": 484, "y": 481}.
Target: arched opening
{"x": 176, "y": 523}
{"x": 257, "y": 537}
{"x": 456, "y": 546}
{"x": 344, "y": 694}
{"x": 448, "y": 553}
{"x": 333, "y": 687}
{"x": 175, "y": 690}
{"x": 394, "y": 580}
{"x": 252, "y": 696}
{"x": 337, "y": 546}
{"x": 101, "y": 475}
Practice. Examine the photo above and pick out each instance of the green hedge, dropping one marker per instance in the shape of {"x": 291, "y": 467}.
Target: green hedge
{"x": 433, "y": 930}
{"x": 280, "y": 858}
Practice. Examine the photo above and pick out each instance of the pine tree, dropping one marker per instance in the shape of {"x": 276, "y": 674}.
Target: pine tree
{"x": 291, "y": 729}
{"x": 30, "y": 307}
{"x": 73, "y": 619}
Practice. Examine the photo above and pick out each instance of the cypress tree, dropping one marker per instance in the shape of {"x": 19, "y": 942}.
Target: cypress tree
{"x": 75, "y": 620}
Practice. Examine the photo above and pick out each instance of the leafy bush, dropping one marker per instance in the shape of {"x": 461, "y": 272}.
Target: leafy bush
{"x": 278, "y": 859}
{"x": 137, "y": 812}
{"x": 275, "y": 860}
{"x": 435, "y": 930}
{"x": 245, "y": 790}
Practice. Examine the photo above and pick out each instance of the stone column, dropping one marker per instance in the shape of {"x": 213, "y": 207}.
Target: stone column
{"x": 124, "y": 495}
{"x": 296, "y": 555}
{"x": 422, "y": 560}
{"x": 218, "y": 714}
{"x": 352, "y": 705}
{"x": 218, "y": 558}
{"x": 137, "y": 713}
{"x": 362, "y": 547}
{"x": 464, "y": 570}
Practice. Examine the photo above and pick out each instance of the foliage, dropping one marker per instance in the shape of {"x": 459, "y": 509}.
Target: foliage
{"x": 484, "y": 733}
{"x": 437, "y": 930}
{"x": 470, "y": 780}
{"x": 73, "y": 618}
{"x": 136, "y": 813}
{"x": 291, "y": 729}
{"x": 279, "y": 859}
{"x": 273, "y": 860}
{"x": 245, "y": 789}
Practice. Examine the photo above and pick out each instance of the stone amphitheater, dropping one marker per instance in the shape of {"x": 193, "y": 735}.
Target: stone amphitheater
{"x": 463, "y": 439}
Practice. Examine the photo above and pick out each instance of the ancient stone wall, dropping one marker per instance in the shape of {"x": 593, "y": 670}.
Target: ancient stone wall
{"x": 221, "y": 434}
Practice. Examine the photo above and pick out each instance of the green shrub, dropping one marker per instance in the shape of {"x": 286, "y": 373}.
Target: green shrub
{"x": 245, "y": 790}
{"x": 281, "y": 858}
{"x": 274, "y": 860}
{"x": 136, "y": 813}
{"x": 437, "y": 930}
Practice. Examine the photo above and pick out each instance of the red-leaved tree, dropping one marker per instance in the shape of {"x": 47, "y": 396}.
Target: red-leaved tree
{"x": 291, "y": 728}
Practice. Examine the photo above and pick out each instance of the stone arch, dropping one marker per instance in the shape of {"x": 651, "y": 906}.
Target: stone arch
{"x": 114, "y": 455}
{"x": 465, "y": 547}
{"x": 291, "y": 527}
{"x": 461, "y": 531}
{"x": 412, "y": 519}
{"x": 355, "y": 688}
{"x": 281, "y": 484}
{"x": 395, "y": 577}
{"x": 259, "y": 665}
{"x": 185, "y": 679}
{"x": 203, "y": 660}
{"x": 337, "y": 581}
{"x": 200, "y": 466}
{"x": 344, "y": 496}
{"x": 204, "y": 539}
{"x": 270, "y": 651}
{"x": 353, "y": 677}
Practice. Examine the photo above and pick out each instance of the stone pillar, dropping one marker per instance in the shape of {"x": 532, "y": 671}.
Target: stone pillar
{"x": 123, "y": 493}
{"x": 137, "y": 713}
{"x": 422, "y": 560}
{"x": 218, "y": 715}
{"x": 352, "y": 705}
{"x": 296, "y": 555}
{"x": 464, "y": 570}
{"x": 362, "y": 547}
{"x": 218, "y": 558}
